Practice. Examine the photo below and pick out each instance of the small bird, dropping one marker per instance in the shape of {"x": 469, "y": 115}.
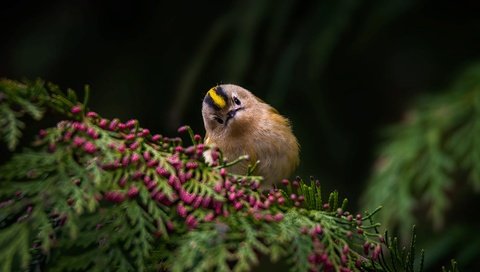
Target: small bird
{"x": 239, "y": 123}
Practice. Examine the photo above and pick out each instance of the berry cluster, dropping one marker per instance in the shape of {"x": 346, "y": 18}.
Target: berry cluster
{"x": 174, "y": 175}
{"x": 195, "y": 191}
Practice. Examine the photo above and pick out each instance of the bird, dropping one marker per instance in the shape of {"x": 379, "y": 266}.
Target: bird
{"x": 239, "y": 123}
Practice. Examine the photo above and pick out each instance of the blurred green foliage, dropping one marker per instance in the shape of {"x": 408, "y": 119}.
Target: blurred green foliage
{"x": 340, "y": 70}
{"x": 431, "y": 162}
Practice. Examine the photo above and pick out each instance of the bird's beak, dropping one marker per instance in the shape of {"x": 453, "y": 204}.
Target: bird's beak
{"x": 231, "y": 114}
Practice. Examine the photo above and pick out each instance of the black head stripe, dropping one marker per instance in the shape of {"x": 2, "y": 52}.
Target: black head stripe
{"x": 210, "y": 102}
{"x": 220, "y": 91}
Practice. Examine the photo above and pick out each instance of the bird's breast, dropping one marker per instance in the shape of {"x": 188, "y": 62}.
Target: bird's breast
{"x": 274, "y": 146}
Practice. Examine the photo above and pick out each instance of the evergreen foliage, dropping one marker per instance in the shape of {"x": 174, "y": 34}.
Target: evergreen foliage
{"x": 104, "y": 195}
{"x": 30, "y": 98}
{"x": 425, "y": 158}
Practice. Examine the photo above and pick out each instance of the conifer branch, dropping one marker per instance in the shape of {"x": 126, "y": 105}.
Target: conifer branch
{"x": 106, "y": 195}
{"x": 429, "y": 156}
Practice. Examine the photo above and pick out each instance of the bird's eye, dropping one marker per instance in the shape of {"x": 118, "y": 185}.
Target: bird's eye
{"x": 236, "y": 100}
{"x": 218, "y": 119}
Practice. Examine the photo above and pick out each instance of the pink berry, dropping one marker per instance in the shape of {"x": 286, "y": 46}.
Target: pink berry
{"x": 237, "y": 205}
{"x": 209, "y": 217}
{"x": 131, "y": 123}
{"x": 42, "y": 133}
{"x": 181, "y": 210}
{"x": 134, "y": 145}
{"x": 183, "y": 129}
{"x": 278, "y": 217}
{"x": 89, "y": 147}
{"x": 92, "y": 114}
{"x": 78, "y": 141}
{"x": 103, "y": 123}
{"x": 76, "y": 109}
{"x": 132, "y": 192}
{"x": 191, "y": 165}
{"x": 162, "y": 172}
{"x": 135, "y": 158}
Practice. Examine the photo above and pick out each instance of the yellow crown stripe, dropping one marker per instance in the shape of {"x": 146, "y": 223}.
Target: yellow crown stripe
{"x": 217, "y": 99}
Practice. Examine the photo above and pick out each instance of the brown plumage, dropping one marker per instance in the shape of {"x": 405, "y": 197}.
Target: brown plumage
{"x": 239, "y": 124}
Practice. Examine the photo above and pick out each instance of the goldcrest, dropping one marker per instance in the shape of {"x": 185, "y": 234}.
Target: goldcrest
{"x": 239, "y": 123}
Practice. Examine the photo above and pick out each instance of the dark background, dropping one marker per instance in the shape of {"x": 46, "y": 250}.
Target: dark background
{"x": 340, "y": 70}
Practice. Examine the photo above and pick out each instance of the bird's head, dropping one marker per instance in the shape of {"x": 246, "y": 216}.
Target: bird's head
{"x": 229, "y": 109}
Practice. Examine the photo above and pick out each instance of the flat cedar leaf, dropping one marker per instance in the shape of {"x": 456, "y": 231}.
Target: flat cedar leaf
{"x": 71, "y": 95}
{"x": 246, "y": 257}
{"x": 299, "y": 251}
{"x": 276, "y": 252}
{"x": 14, "y": 242}
{"x": 216, "y": 258}
{"x": 45, "y": 230}
{"x": 119, "y": 261}
{"x": 78, "y": 262}
{"x": 35, "y": 111}
{"x": 38, "y": 166}
{"x": 11, "y": 126}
